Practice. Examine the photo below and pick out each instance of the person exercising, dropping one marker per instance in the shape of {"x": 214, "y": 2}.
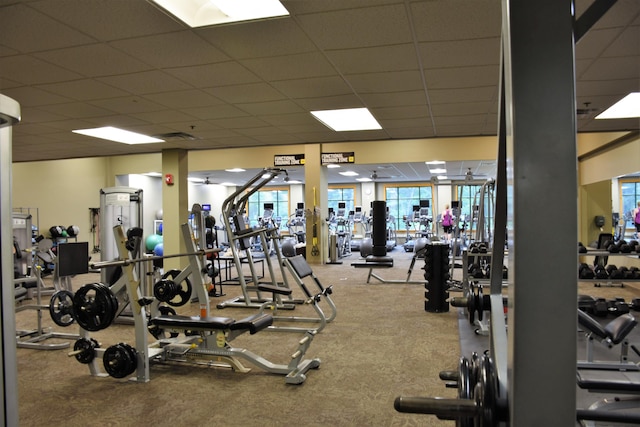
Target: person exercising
{"x": 636, "y": 219}
{"x": 447, "y": 222}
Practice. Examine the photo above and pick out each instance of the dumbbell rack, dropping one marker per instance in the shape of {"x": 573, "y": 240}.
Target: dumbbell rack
{"x": 601, "y": 254}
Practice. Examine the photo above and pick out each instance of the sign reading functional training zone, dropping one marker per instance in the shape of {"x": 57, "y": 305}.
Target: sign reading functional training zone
{"x": 288, "y": 160}
{"x": 333, "y": 158}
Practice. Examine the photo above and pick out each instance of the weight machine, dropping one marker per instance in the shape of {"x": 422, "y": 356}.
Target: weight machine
{"x": 206, "y": 339}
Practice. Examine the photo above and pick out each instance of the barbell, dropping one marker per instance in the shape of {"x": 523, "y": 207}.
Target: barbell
{"x": 124, "y": 262}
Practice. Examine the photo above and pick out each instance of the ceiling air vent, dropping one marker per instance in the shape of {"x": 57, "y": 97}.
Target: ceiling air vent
{"x": 176, "y": 135}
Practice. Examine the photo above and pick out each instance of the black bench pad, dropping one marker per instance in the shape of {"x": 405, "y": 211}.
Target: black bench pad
{"x": 274, "y": 289}
{"x": 609, "y": 380}
{"x": 252, "y": 324}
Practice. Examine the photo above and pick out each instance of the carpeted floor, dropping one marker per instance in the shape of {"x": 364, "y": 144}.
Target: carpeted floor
{"x": 382, "y": 344}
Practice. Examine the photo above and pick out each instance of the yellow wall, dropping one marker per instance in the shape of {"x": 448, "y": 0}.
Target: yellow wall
{"x": 61, "y": 190}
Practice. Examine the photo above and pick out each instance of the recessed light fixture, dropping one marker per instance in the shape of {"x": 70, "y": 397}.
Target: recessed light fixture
{"x": 198, "y": 180}
{"x": 235, "y": 170}
{"x": 349, "y": 173}
{"x": 627, "y": 108}
{"x": 228, "y": 184}
{"x": 437, "y": 171}
{"x": 118, "y": 135}
{"x": 364, "y": 179}
{"x": 435, "y": 162}
{"x": 443, "y": 177}
{"x": 294, "y": 181}
{"x": 202, "y": 13}
{"x": 332, "y": 166}
{"x": 348, "y": 119}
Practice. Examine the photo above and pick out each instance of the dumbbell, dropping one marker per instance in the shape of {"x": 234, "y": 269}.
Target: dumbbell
{"x": 585, "y": 271}
{"x": 618, "y": 306}
{"x": 600, "y": 307}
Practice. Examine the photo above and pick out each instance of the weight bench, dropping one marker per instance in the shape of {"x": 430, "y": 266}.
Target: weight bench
{"x": 212, "y": 344}
{"x": 613, "y": 333}
{"x": 252, "y": 324}
{"x": 300, "y": 269}
{"x": 617, "y": 409}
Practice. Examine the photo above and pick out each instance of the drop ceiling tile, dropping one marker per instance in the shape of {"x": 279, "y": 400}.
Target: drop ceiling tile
{"x": 360, "y": 27}
{"x": 131, "y": 18}
{"x": 127, "y": 105}
{"x": 595, "y": 42}
{"x": 215, "y": 112}
{"x": 94, "y": 60}
{"x": 619, "y": 68}
{"x": 145, "y": 82}
{"x": 77, "y": 110}
{"x": 331, "y": 102}
{"x": 30, "y": 96}
{"x": 313, "y": 87}
{"x": 252, "y": 92}
{"x": 415, "y": 111}
{"x": 184, "y": 99}
{"x": 410, "y": 132}
{"x": 271, "y": 107}
{"x": 460, "y": 53}
{"x": 176, "y": 49}
{"x": 478, "y": 94}
{"x": 462, "y": 77}
{"x": 375, "y": 59}
{"x": 239, "y": 122}
{"x": 12, "y": 21}
{"x": 391, "y": 99}
{"x": 398, "y": 81}
{"x": 214, "y": 75}
{"x": 164, "y": 116}
{"x": 83, "y": 89}
{"x": 289, "y": 67}
{"x": 456, "y": 19}
{"x": 29, "y": 70}
{"x": 273, "y": 37}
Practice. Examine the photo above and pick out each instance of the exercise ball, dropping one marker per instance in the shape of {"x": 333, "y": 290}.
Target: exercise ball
{"x": 158, "y": 250}
{"x": 152, "y": 241}
{"x": 159, "y": 214}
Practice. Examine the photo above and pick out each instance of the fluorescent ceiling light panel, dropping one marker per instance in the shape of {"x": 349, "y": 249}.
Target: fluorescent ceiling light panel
{"x": 332, "y": 166}
{"x": 228, "y": 184}
{"x": 437, "y": 171}
{"x": 435, "y": 162}
{"x": 627, "y": 108}
{"x": 294, "y": 181}
{"x": 235, "y": 170}
{"x": 349, "y": 173}
{"x": 348, "y": 119}
{"x": 364, "y": 179}
{"x": 198, "y": 180}
{"x": 443, "y": 177}
{"x": 118, "y": 135}
{"x": 202, "y": 13}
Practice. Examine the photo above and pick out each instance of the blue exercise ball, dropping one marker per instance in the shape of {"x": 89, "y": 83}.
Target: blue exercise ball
{"x": 158, "y": 250}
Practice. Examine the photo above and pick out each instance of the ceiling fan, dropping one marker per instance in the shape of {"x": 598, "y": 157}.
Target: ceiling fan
{"x": 375, "y": 176}
{"x": 469, "y": 176}
{"x": 205, "y": 182}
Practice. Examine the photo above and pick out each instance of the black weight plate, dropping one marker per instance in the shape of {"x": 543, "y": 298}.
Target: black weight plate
{"x": 93, "y": 306}
{"x": 61, "y": 308}
{"x": 480, "y": 304}
{"x": 183, "y": 292}
{"x": 119, "y": 361}
{"x": 87, "y": 346}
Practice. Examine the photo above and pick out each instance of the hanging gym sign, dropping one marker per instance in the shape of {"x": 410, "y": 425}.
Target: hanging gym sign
{"x": 288, "y": 160}
{"x": 337, "y": 158}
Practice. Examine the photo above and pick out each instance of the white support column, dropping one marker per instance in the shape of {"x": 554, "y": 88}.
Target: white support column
{"x": 542, "y": 211}
{"x": 9, "y": 115}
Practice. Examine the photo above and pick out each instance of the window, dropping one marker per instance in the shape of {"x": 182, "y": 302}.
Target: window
{"x": 341, "y": 194}
{"x": 280, "y": 200}
{"x": 401, "y": 200}
{"x": 468, "y": 195}
{"x": 629, "y": 195}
